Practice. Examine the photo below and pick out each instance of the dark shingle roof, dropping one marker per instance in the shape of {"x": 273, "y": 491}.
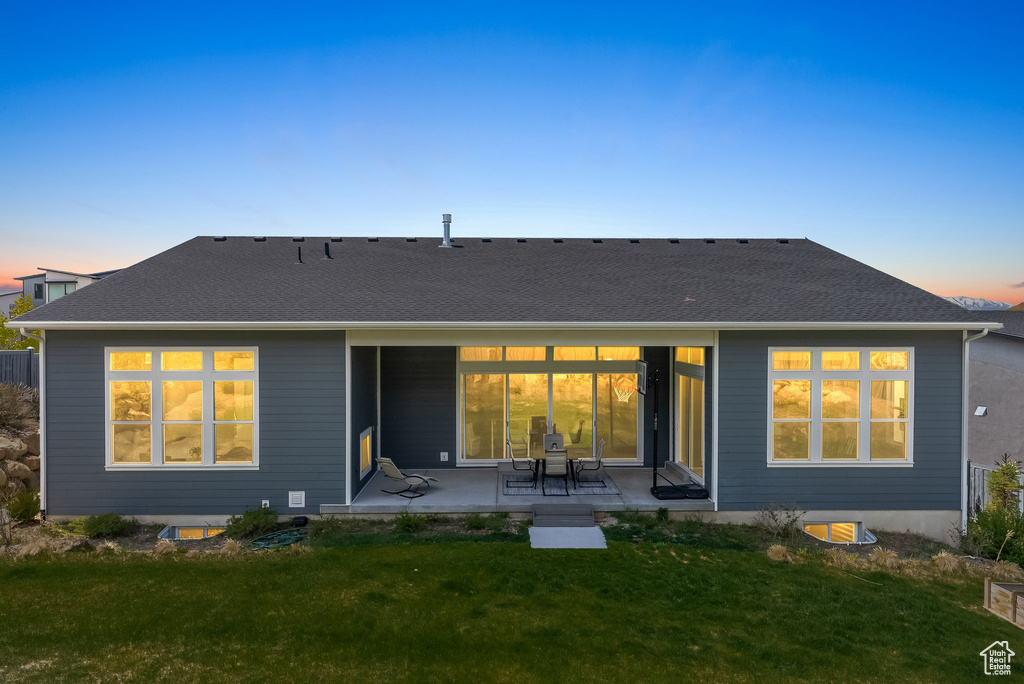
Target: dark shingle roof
{"x": 244, "y": 279}
{"x": 1013, "y": 322}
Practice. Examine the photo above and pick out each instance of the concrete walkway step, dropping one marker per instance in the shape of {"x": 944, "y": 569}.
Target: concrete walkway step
{"x": 567, "y": 538}
{"x": 563, "y": 515}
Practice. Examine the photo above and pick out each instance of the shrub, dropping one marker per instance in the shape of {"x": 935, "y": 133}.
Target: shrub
{"x": 837, "y": 557}
{"x": 1003, "y": 485}
{"x": 475, "y": 522}
{"x": 25, "y": 506}
{"x": 252, "y": 523}
{"x": 780, "y": 522}
{"x": 103, "y": 526}
{"x": 947, "y": 563}
{"x": 995, "y": 530}
{"x": 404, "y": 522}
{"x": 661, "y": 514}
{"x": 884, "y": 558}
{"x": 779, "y": 553}
{"x": 18, "y": 404}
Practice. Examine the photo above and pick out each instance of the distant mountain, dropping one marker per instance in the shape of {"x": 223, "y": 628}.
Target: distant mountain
{"x": 978, "y": 304}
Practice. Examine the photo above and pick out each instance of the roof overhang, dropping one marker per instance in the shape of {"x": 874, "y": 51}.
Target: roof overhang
{"x": 495, "y": 325}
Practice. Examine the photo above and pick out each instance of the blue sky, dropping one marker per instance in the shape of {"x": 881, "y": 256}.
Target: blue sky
{"x": 894, "y": 135}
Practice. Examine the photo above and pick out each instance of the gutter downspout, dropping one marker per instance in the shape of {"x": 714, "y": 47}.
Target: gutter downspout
{"x": 42, "y": 418}
{"x": 963, "y": 431}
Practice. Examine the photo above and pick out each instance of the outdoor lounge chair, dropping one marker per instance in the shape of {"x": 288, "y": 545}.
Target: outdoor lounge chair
{"x": 590, "y": 465}
{"x": 412, "y": 482}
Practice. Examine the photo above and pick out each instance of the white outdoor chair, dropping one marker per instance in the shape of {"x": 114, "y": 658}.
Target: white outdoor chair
{"x": 412, "y": 482}
{"x": 590, "y": 465}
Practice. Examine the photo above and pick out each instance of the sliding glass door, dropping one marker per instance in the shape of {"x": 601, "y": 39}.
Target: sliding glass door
{"x": 617, "y": 403}
{"x": 527, "y": 412}
{"x": 689, "y": 419}
{"x": 483, "y": 401}
{"x": 512, "y": 396}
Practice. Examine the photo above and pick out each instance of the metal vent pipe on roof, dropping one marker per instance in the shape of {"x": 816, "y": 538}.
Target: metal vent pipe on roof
{"x": 446, "y": 219}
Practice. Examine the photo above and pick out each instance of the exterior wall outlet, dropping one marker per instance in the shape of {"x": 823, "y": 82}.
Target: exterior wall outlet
{"x": 444, "y": 456}
{"x": 265, "y": 504}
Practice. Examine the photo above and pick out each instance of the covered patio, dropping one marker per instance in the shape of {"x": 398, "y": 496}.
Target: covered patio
{"x": 480, "y": 490}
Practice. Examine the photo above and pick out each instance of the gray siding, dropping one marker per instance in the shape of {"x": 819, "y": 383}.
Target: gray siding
{"x": 747, "y": 483}
{"x": 301, "y": 423}
{"x": 363, "y": 387}
{"x": 419, "y": 413}
{"x": 997, "y": 381}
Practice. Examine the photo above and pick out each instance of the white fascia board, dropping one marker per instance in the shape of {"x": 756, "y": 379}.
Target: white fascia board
{"x": 463, "y": 325}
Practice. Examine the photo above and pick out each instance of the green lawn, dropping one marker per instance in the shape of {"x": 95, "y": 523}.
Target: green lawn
{"x": 485, "y": 611}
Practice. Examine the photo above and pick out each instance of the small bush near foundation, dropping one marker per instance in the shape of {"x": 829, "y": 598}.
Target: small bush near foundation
{"x": 25, "y": 507}
{"x": 662, "y": 514}
{"x": 837, "y": 557}
{"x": 494, "y": 522}
{"x": 404, "y": 522}
{"x": 995, "y": 533}
{"x": 253, "y": 523}
{"x": 475, "y": 521}
{"x": 105, "y": 526}
{"x": 781, "y": 522}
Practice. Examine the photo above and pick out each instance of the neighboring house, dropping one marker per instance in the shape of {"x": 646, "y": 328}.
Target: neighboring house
{"x": 196, "y": 383}
{"x": 52, "y": 284}
{"x": 7, "y": 299}
{"x": 997, "y": 391}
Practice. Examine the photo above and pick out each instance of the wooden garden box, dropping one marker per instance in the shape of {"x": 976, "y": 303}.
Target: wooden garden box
{"x": 1005, "y": 599}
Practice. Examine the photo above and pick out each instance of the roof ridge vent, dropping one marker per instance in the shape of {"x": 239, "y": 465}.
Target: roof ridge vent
{"x": 558, "y": 241}
{"x": 520, "y": 239}
{"x": 298, "y": 239}
{"x": 598, "y": 241}
{"x": 336, "y": 239}
{"x": 673, "y": 241}
{"x": 373, "y": 239}
{"x": 783, "y": 241}
{"x": 410, "y": 239}
{"x": 259, "y": 239}
{"x": 486, "y": 240}
{"x": 743, "y": 241}
{"x": 709, "y": 241}
{"x": 634, "y": 241}
{"x": 220, "y": 238}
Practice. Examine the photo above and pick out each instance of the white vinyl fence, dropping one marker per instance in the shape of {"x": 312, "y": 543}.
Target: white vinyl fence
{"x": 977, "y": 488}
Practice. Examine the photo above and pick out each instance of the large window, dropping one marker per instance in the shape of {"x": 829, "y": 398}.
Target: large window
{"x": 513, "y": 396}
{"x": 840, "y": 405}
{"x": 181, "y": 407}
{"x": 57, "y": 290}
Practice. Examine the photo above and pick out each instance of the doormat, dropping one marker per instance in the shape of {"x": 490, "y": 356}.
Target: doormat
{"x": 556, "y": 486}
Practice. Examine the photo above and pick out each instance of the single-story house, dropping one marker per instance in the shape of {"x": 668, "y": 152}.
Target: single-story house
{"x": 996, "y": 409}
{"x": 231, "y": 371}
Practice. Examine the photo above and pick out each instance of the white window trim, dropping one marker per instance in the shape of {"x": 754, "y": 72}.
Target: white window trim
{"x": 689, "y": 371}
{"x": 550, "y": 367}
{"x": 156, "y": 377}
{"x": 369, "y": 467}
{"x": 865, "y": 375}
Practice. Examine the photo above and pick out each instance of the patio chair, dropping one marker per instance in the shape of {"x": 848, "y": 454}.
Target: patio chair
{"x": 557, "y": 463}
{"x": 412, "y": 482}
{"x": 574, "y": 437}
{"x": 585, "y": 465}
{"x": 521, "y": 465}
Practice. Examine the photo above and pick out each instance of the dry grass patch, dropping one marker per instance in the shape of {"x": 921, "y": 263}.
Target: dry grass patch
{"x": 884, "y": 558}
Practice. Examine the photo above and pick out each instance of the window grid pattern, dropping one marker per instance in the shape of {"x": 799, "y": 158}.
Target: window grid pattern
{"x": 840, "y": 406}
{"x": 170, "y": 408}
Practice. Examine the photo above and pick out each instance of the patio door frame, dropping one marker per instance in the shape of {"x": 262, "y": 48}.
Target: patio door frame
{"x": 690, "y": 372}
{"x": 550, "y": 368}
